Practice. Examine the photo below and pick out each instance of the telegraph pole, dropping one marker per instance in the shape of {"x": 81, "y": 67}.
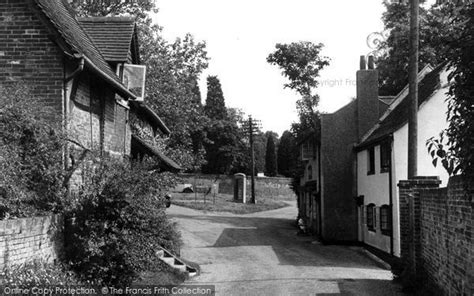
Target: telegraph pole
{"x": 413, "y": 89}
{"x": 252, "y": 160}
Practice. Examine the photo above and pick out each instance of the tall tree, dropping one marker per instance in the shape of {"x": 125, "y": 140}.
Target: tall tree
{"x": 215, "y": 104}
{"x": 286, "y": 155}
{"x": 436, "y": 28}
{"x": 270, "y": 158}
{"x": 301, "y": 62}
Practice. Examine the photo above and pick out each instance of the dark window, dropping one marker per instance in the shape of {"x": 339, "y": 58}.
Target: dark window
{"x": 370, "y": 216}
{"x": 371, "y": 161}
{"x": 310, "y": 172}
{"x": 385, "y": 156}
{"x": 385, "y": 220}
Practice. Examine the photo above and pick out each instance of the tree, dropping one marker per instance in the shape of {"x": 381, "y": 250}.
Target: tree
{"x": 301, "y": 63}
{"x": 286, "y": 155}
{"x": 270, "y": 158}
{"x": 215, "y": 105}
{"x": 393, "y": 53}
{"x": 111, "y": 8}
{"x": 460, "y": 103}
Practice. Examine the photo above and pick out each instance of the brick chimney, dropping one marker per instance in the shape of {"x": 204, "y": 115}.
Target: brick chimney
{"x": 367, "y": 95}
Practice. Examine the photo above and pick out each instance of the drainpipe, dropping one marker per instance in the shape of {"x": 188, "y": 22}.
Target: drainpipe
{"x": 390, "y": 195}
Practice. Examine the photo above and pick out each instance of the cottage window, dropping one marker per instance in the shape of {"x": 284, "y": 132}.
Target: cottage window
{"x": 371, "y": 161}
{"x": 310, "y": 172}
{"x": 385, "y": 156}
{"x": 385, "y": 221}
{"x": 370, "y": 216}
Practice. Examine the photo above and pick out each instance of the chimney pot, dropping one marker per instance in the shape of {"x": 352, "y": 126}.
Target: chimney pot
{"x": 371, "y": 63}
{"x": 363, "y": 62}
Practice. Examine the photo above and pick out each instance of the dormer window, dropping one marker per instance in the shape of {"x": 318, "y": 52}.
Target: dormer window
{"x": 133, "y": 77}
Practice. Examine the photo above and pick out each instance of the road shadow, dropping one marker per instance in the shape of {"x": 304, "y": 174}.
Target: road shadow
{"x": 280, "y": 234}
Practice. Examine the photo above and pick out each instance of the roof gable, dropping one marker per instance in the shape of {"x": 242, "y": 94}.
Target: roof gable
{"x": 115, "y": 37}
{"x": 396, "y": 118}
{"x": 58, "y": 13}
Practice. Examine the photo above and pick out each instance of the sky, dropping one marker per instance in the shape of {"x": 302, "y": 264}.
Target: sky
{"x": 241, "y": 34}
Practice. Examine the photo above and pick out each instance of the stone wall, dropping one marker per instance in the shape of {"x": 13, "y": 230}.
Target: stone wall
{"x": 264, "y": 186}
{"x": 436, "y": 226}
{"x": 29, "y": 239}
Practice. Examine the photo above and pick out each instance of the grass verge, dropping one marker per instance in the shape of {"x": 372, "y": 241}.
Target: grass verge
{"x": 225, "y": 203}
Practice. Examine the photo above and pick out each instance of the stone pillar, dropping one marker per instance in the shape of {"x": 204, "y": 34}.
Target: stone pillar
{"x": 410, "y": 217}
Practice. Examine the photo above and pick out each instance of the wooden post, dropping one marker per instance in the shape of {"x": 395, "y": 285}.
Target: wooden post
{"x": 413, "y": 89}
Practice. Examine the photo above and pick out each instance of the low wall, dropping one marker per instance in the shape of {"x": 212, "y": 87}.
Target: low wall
{"x": 264, "y": 186}
{"x": 29, "y": 239}
{"x": 437, "y": 232}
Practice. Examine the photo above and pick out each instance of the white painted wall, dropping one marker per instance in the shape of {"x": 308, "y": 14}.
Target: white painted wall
{"x": 375, "y": 189}
{"x": 431, "y": 121}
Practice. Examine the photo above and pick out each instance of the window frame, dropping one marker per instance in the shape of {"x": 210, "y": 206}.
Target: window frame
{"x": 385, "y": 157}
{"x": 370, "y": 217}
{"x": 385, "y": 226}
{"x": 371, "y": 161}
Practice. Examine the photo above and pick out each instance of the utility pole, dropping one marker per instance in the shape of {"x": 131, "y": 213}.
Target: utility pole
{"x": 413, "y": 89}
{"x": 253, "y": 126}
{"x": 252, "y": 160}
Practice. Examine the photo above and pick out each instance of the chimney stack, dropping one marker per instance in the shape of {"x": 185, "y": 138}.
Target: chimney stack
{"x": 367, "y": 95}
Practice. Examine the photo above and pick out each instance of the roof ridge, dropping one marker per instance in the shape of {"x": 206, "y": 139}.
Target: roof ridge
{"x": 106, "y": 18}
{"x": 63, "y": 35}
{"x": 397, "y": 100}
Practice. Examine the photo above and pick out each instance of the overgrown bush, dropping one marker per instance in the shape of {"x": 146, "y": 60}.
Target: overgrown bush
{"x": 30, "y": 155}
{"x": 114, "y": 233}
{"x": 38, "y": 274}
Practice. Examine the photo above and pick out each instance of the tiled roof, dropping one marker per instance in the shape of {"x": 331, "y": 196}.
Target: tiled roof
{"x": 112, "y": 35}
{"x": 143, "y": 110}
{"x": 73, "y": 34}
{"x": 399, "y": 115}
{"x": 167, "y": 162}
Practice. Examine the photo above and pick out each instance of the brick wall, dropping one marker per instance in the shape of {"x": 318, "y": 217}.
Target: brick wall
{"x": 28, "y": 239}
{"x": 27, "y": 55}
{"x": 436, "y": 227}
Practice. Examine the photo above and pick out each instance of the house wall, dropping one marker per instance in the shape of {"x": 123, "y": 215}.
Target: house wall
{"x": 27, "y": 55}
{"x": 375, "y": 189}
{"x": 309, "y": 198}
{"x": 97, "y": 120}
{"x": 431, "y": 121}
{"x": 339, "y": 133}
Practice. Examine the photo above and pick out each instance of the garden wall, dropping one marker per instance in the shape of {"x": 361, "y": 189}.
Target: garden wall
{"x": 264, "y": 186}
{"x": 29, "y": 239}
{"x": 436, "y": 226}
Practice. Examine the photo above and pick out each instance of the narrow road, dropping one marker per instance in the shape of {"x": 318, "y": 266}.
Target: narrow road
{"x": 260, "y": 254}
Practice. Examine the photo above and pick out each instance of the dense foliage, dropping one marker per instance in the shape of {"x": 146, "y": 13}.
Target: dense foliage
{"x": 38, "y": 274}
{"x": 461, "y": 103}
{"x": 270, "y": 158}
{"x": 287, "y": 154}
{"x": 436, "y": 30}
{"x": 32, "y": 176}
{"x": 120, "y": 223}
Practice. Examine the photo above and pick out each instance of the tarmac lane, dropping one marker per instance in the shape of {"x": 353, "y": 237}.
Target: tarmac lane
{"x": 260, "y": 254}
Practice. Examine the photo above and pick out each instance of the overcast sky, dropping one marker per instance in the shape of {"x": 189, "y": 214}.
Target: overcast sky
{"x": 240, "y": 35}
